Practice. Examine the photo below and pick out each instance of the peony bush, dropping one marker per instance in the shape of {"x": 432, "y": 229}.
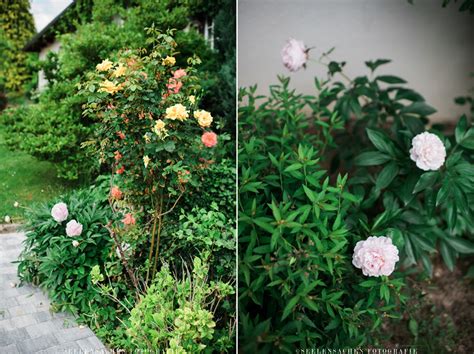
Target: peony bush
{"x": 405, "y": 197}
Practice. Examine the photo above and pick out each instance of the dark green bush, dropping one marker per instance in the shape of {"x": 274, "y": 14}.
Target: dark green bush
{"x": 50, "y": 259}
{"x": 298, "y": 288}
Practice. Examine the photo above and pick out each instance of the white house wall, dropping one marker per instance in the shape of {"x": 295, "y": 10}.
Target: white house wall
{"x": 431, "y": 47}
{"x": 54, "y": 47}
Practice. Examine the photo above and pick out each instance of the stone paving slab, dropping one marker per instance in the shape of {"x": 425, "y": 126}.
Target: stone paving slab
{"x": 26, "y": 324}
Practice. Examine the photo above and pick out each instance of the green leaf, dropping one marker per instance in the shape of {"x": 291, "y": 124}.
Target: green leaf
{"x": 460, "y": 245}
{"x": 461, "y": 128}
{"x": 468, "y": 140}
{"x": 420, "y": 108}
{"x": 390, "y": 79}
{"x": 387, "y": 175}
{"x": 289, "y": 307}
{"x": 371, "y": 158}
{"x": 426, "y": 180}
{"x": 375, "y": 64}
{"x": 381, "y": 141}
{"x": 448, "y": 255}
{"x": 413, "y": 327}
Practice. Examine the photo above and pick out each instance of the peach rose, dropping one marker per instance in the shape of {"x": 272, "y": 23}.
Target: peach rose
{"x": 128, "y": 219}
{"x": 178, "y": 74}
{"x": 116, "y": 193}
{"x": 209, "y": 139}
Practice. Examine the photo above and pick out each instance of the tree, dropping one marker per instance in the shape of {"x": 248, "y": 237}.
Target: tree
{"x": 17, "y": 27}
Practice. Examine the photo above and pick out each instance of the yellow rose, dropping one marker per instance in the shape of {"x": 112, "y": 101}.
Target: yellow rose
{"x": 203, "y": 117}
{"x": 147, "y": 138}
{"x": 109, "y": 87}
{"x": 146, "y": 160}
{"x": 192, "y": 99}
{"x": 105, "y": 65}
{"x": 170, "y": 61}
{"x": 178, "y": 111}
{"x": 119, "y": 71}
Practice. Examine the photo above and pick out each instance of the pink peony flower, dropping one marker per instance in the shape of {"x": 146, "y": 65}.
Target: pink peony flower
{"x": 209, "y": 139}
{"x": 59, "y": 212}
{"x": 73, "y": 228}
{"x": 428, "y": 151}
{"x": 174, "y": 85}
{"x": 294, "y": 54}
{"x": 116, "y": 193}
{"x": 128, "y": 219}
{"x": 178, "y": 74}
{"x": 376, "y": 256}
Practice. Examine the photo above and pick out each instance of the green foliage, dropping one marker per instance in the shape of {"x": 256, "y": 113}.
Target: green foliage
{"x": 50, "y": 259}
{"x": 298, "y": 288}
{"x": 16, "y": 27}
{"x": 176, "y": 314}
{"x": 382, "y": 116}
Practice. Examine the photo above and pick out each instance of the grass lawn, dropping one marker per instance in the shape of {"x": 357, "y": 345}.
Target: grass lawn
{"x": 25, "y": 180}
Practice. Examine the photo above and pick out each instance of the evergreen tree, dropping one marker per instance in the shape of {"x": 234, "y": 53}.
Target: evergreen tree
{"x": 16, "y": 28}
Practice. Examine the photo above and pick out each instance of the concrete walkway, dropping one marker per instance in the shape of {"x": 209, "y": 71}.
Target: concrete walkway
{"x": 26, "y": 324}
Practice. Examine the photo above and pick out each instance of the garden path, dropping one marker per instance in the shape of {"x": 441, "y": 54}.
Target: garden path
{"x": 26, "y": 324}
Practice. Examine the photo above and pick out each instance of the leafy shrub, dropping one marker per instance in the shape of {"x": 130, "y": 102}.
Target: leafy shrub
{"x": 298, "y": 288}
{"x": 177, "y": 314}
{"x": 429, "y": 210}
{"x": 50, "y": 259}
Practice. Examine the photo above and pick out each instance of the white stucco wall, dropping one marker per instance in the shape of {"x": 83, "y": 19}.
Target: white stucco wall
{"x": 431, "y": 47}
{"x": 55, "y": 46}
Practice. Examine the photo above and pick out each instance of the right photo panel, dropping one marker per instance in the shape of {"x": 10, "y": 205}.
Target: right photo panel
{"x": 356, "y": 176}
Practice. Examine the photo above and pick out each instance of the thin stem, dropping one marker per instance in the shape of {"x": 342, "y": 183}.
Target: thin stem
{"x": 157, "y": 251}
{"x": 150, "y": 254}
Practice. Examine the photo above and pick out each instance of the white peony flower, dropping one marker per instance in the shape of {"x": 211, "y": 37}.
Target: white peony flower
{"x": 59, "y": 212}
{"x": 73, "y": 228}
{"x": 428, "y": 151}
{"x": 8, "y": 219}
{"x": 294, "y": 54}
{"x": 376, "y": 256}
{"x": 16, "y": 204}
{"x": 75, "y": 243}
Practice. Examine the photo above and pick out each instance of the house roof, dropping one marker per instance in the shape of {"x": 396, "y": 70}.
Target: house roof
{"x": 46, "y": 35}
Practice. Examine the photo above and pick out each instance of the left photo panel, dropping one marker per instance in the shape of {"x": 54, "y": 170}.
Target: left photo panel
{"x": 117, "y": 176}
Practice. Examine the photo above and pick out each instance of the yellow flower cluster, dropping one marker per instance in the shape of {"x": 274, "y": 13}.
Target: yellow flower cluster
{"x": 110, "y": 87}
{"x": 170, "y": 61}
{"x": 203, "y": 117}
{"x": 192, "y": 99}
{"x": 119, "y": 71}
{"x": 159, "y": 129}
{"x": 105, "y": 65}
{"x": 178, "y": 111}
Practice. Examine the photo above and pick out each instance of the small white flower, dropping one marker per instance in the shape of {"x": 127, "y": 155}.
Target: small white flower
{"x": 73, "y": 228}
{"x": 59, "y": 212}
{"x": 8, "y": 219}
{"x": 16, "y": 204}
{"x": 294, "y": 54}
{"x": 376, "y": 256}
{"x": 428, "y": 151}
{"x": 75, "y": 243}
{"x": 126, "y": 248}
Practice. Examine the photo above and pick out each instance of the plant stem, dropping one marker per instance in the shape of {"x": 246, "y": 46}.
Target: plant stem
{"x": 157, "y": 251}
{"x": 150, "y": 254}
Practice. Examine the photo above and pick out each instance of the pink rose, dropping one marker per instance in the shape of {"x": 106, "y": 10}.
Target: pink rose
{"x": 376, "y": 256}
{"x": 294, "y": 54}
{"x": 128, "y": 219}
{"x": 73, "y": 228}
{"x": 178, "y": 74}
{"x": 209, "y": 139}
{"x": 59, "y": 212}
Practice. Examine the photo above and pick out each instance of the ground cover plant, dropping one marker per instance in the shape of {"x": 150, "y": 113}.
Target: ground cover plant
{"x": 342, "y": 194}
